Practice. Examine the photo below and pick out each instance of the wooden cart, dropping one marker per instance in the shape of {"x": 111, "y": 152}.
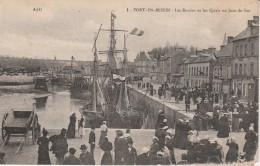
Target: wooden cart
{"x": 20, "y": 124}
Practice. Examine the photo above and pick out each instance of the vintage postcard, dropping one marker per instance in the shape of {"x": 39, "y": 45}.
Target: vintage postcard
{"x": 133, "y": 82}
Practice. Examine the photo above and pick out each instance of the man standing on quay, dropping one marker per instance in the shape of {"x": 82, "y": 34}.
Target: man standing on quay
{"x": 92, "y": 140}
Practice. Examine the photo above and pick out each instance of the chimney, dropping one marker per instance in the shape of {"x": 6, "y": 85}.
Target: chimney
{"x": 256, "y": 19}
{"x": 230, "y": 39}
{"x": 249, "y": 23}
{"x": 212, "y": 50}
{"x": 221, "y": 47}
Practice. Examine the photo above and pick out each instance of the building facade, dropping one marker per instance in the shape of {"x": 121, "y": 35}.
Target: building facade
{"x": 144, "y": 64}
{"x": 245, "y": 62}
{"x": 223, "y": 66}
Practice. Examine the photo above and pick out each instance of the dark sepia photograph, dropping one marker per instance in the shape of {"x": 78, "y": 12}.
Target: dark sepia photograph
{"x": 133, "y": 82}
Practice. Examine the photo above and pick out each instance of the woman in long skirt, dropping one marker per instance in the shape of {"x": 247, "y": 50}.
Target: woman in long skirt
{"x": 232, "y": 154}
{"x": 104, "y": 131}
{"x": 72, "y": 126}
{"x": 81, "y": 127}
{"x": 43, "y": 151}
{"x": 106, "y": 146}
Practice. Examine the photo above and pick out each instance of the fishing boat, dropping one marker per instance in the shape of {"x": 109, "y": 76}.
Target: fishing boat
{"x": 110, "y": 102}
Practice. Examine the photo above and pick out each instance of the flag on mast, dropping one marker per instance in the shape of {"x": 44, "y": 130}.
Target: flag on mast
{"x": 137, "y": 32}
{"x": 113, "y": 15}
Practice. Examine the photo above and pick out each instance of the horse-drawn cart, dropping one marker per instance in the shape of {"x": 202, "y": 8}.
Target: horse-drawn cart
{"x": 20, "y": 124}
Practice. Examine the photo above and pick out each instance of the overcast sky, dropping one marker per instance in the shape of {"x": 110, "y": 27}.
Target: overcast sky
{"x": 66, "y": 28}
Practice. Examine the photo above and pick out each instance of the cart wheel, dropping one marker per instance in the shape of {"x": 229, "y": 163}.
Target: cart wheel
{"x": 4, "y": 132}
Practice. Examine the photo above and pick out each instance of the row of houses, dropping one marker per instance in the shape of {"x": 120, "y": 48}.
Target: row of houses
{"x": 231, "y": 69}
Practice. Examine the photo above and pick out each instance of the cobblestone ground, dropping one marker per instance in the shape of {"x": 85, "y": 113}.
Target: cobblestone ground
{"x": 141, "y": 138}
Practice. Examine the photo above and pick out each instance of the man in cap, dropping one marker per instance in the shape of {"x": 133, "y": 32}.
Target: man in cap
{"x": 92, "y": 140}
{"x": 128, "y": 135}
{"x": 71, "y": 159}
{"x": 120, "y": 148}
{"x": 60, "y": 146}
{"x": 143, "y": 158}
{"x": 131, "y": 154}
{"x": 85, "y": 157}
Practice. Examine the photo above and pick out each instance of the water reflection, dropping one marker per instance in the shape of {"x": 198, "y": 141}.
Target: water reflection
{"x": 53, "y": 113}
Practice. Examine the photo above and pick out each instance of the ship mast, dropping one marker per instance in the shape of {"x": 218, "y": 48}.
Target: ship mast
{"x": 95, "y": 67}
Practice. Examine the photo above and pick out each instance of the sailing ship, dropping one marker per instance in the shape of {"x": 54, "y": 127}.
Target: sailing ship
{"x": 113, "y": 107}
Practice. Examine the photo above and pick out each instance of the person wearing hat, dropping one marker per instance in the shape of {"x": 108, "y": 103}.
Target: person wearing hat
{"x": 232, "y": 154}
{"x": 160, "y": 118}
{"x": 169, "y": 145}
{"x": 106, "y": 146}
{"x": 43, "y": 150}
{"x": 120, "y": 148}
{"x": 181, "y": 135}
{"x": 250, "y": 146}
{"x": 224, "y": 128}
{"x": 161, "y": 159}
{"x": 92, "y": 140}
{"x": 143, "y": 158}
{"x": 85, "y": 157}
{"x": 160, "y": 133}
{"x": 131, "y": 154}
{"x": 128, "y": 135}
{"x": 154, "y": 149}
{"x": 71, "y": 159}
{"x": 59, "y": 146}
{"x": 103, "y": 130}
{"x": 72, "y": 126}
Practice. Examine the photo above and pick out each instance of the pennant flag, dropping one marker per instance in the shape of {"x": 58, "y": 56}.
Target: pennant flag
{"x": 113, "y": 15}
{"x": 117, "y": 77}
{"x": 137, "y": 32}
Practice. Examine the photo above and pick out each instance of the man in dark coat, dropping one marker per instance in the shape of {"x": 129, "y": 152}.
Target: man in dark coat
{"x": 72, "y": 126}
{"x": 71, "y": 159}
{"x": 85, "y": 157}
{"x": 187, "y": 103}
{"x": 131, "y": 154}
{"x": 246, "y": 121}
{"x": 120, "y": 149}
{"x": 151, "y": 89}
{"x": 92, "y": 140}
{"x": 143, "y": 158}
{"x": 224, "y": 128}
{"x": 160, "y": 92}
{"x": 250, "y": 144}
{"x": 60, "y": 146}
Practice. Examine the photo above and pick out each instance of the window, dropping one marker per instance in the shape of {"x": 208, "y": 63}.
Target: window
{"x": 189, "y": 71}
{"x": 241, "y": 50}
{"x": 192, "y": 71}
{"x": 243, "y": 89}
{"x": 245, "y": 69}
{"x": 207, "y": 71}
{"x": 252, "y": 49}
{"x": 252, "y": 69}
{"x": 245, "y": 50}
{"x": 240, "y": 69}
{"x": 236, "y": 51}
{"x": 235, "y": 69}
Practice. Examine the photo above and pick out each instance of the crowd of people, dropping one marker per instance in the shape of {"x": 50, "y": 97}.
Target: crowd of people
{"x": 231, "y": 116}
